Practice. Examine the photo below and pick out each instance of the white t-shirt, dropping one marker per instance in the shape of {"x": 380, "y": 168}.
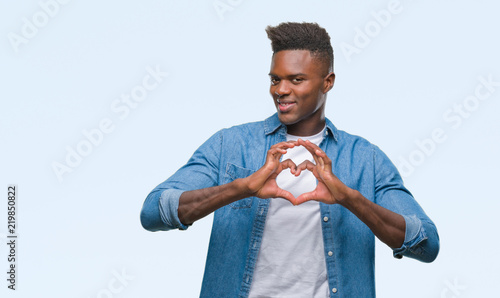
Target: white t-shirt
{"x": 291, "y": 261}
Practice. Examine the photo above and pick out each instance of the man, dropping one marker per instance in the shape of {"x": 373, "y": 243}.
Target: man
{"x": 296, "y": 202}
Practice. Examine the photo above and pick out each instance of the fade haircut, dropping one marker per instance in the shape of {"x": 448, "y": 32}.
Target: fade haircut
{"x": 302, "y": 36}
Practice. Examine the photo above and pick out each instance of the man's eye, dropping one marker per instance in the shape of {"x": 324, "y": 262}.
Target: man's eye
{"x": 297, "y": 80}
{"x": 274, "y": 81}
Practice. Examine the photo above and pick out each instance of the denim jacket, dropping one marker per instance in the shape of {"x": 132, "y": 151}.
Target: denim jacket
{"x": 237, "y": 229}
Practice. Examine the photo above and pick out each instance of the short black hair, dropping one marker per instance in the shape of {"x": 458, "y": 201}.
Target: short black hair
{"x": 302, "y": 36}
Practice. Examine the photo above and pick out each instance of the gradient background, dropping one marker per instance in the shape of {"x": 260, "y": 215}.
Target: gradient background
{"x": 75, "y": 234}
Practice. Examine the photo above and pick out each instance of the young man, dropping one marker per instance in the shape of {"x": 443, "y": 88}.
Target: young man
{"x": 296, "y": 202}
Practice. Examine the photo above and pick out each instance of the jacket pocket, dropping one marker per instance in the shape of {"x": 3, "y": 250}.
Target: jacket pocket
{"x": 234, "y": 172}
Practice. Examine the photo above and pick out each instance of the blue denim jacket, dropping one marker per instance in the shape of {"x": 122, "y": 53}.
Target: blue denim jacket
{"x": 237, "y": 228}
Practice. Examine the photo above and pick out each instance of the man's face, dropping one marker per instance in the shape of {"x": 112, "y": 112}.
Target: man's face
{"x": 299, "y": 83}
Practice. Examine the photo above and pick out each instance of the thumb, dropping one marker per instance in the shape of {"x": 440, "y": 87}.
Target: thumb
{"x": 307, "y": 196}
{"x": 286, "y": 195}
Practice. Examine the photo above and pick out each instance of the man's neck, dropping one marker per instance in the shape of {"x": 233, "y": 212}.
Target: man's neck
{"x": 306, "y": 129}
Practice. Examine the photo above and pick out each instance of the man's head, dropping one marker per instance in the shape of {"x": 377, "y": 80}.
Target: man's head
{"x": 301, "y": 75}
{"x": 303, "y": 36}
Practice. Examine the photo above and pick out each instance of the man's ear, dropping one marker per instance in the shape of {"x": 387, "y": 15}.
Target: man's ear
{"x": 328, "y": 82}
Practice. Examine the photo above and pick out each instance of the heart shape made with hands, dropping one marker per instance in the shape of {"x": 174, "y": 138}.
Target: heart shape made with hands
{"x": 302, "y": 181}
{"x": 298, "y": 193}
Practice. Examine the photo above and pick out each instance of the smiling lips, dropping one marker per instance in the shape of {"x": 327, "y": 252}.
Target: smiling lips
{"x": 285, "y": 106}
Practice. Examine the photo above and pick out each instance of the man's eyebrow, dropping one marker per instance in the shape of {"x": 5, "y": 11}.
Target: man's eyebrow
{"x": 289, "y": 76}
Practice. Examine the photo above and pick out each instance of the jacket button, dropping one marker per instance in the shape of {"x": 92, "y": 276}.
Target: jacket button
{"x": 334, "y": 290}
{"x": 330, "y": 253}
{"x": 325, "y": 218}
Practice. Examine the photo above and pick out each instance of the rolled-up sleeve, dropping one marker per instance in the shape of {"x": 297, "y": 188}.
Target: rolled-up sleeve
{"x": 421, "y": 237}
{"x": 169, "y": 203}
{"x": 160, "y": 209}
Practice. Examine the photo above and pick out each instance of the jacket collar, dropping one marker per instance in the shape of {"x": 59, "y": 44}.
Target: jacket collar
{"x": 272, "y": 124}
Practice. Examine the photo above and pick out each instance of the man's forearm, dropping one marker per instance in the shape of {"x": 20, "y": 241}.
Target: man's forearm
{"x": 388, "y": 226}
{"x": 196, "y": 204}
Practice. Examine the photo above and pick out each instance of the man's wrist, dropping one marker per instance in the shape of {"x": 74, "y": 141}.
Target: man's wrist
{"x": 242, "y": 186}
{"x": 348, "y": 197}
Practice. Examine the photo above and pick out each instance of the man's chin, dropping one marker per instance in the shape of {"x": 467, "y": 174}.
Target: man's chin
{"x": 286, "y": 118}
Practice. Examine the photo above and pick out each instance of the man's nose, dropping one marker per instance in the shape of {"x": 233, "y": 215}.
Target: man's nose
{"x": 283, "y": 88}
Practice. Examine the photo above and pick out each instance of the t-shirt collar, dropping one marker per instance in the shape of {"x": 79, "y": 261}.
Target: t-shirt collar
{"x": 272, "y": 124}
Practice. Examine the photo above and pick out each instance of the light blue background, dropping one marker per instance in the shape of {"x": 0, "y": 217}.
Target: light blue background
{"x": 75, "y": 234}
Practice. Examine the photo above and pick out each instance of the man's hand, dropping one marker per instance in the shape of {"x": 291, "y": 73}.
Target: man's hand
{"x": 196, "y": 204}
{"x": 330, "y": 189}
{"x": 262, "y": 184}
{"x": 385, "y": 224}
{"x": 388, "y": 226}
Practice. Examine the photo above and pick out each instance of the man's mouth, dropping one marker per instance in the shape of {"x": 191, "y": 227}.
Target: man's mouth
{"x": 285, "y": 106}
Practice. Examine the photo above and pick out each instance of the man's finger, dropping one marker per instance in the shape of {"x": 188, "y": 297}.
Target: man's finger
{"x": 321, "y": 161}
{"x": 305, "y": 165}
{"x": 307, "y": 145}
{"x": 326, "y": 162}
{"x": 289, "y": 164}
{"x": 308, "y": 196}
{"x": 318, "y": 152}
{"x": 284, "y": 145}
{"x": 274, "y": 154}
{"x": 319, "y": 155}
